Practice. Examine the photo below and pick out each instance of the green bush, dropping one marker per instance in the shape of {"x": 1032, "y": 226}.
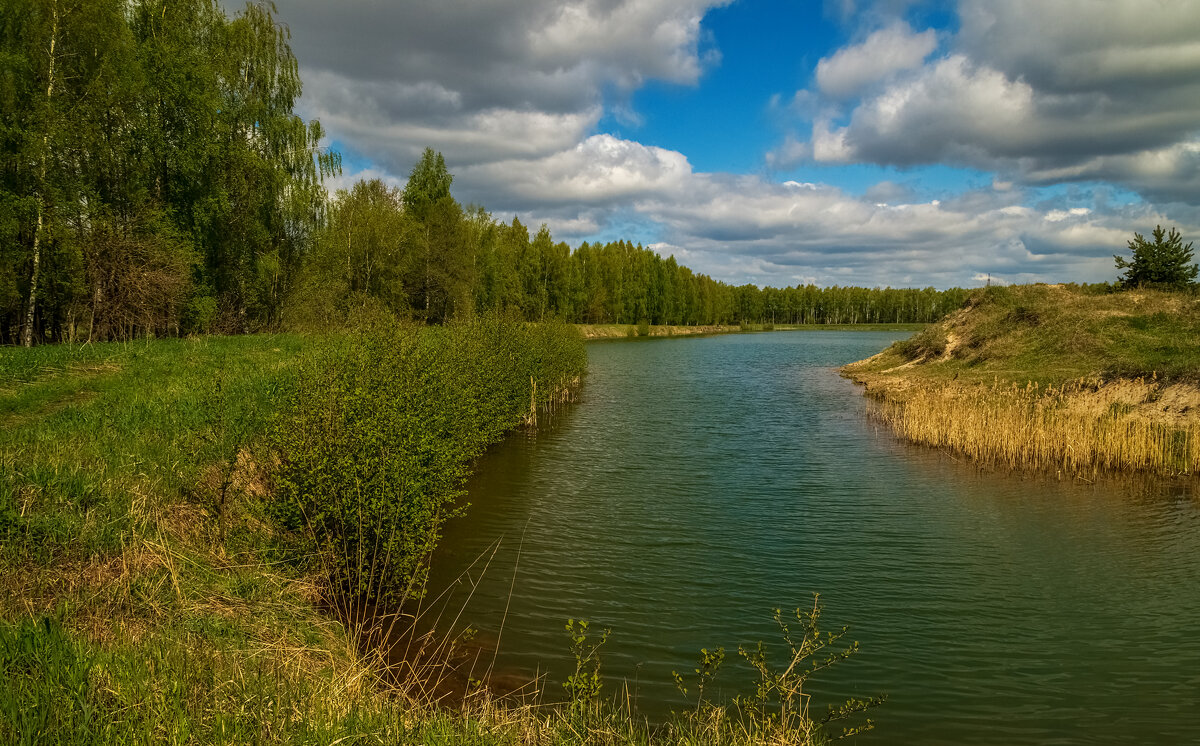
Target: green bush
{"x": 381, "y": 427}
{"x": 929, "y": 343}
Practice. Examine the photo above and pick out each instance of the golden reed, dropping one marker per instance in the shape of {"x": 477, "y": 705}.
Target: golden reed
{"x": 1034, "y": 428}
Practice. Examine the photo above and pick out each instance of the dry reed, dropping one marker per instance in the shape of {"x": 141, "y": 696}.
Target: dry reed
{"x": 1032, "y": 427}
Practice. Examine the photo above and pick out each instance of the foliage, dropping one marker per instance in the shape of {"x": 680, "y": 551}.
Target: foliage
{"x": 129, "y": 615}
{"x": 584, "y": 685}
{"x": 380, "y": 431}
{"x": 780, "y": 701}
{"x": 156, "y": 181}
{"x": 153, "y": 168}
{"x": 1164, "y": 263}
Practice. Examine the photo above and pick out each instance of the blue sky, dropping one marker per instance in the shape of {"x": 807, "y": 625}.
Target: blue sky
{"x": 894, "y": 142}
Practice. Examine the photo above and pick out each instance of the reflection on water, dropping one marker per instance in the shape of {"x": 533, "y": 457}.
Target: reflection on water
{"x": 701, "y": 483}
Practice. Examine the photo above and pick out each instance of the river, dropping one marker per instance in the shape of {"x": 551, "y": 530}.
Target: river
{"x": 702, "y": 482}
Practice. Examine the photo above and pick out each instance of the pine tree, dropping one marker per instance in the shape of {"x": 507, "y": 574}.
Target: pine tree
{"x": 1166, "y": 262}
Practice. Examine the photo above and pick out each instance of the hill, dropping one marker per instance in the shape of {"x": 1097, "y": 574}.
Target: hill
{"x": 1051, "y": 376}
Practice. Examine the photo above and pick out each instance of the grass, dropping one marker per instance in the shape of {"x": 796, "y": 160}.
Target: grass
{"x": 149, "y": 594}
{"x": 1040, "y": 428}
{"x": 850, "y": 327}
{"x": 1052, "y": 335}
{"x": 1051, "y": 377}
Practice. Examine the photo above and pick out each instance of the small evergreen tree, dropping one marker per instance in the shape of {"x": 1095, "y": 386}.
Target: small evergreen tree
{"x": 1166, "y": 262}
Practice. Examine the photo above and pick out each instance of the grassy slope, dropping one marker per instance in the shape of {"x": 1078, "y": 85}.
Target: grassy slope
{"x": 161, "y": 615}
{"x": 1050, "y": 335}
{"x": 1048, "y": 376}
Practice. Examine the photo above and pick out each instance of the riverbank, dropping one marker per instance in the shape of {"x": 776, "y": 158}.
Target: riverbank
{"x": 152, "y": 585}
{"x": 196, "y": 536}
{"x": 622, "y": 331}
{"x": 1050, "y": 377}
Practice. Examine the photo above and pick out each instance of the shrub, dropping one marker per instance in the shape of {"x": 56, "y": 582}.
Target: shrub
{"x": 381, "y": 427}
{"x": 928, "y": 343}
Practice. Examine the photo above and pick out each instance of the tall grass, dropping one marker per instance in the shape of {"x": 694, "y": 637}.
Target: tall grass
{"x": 1011, "y": 380}
{"x": 57, "y": 689}
{"x": 1034, "y": 427}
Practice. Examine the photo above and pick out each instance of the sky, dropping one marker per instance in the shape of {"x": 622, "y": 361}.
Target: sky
{"x": 839, "y": 142}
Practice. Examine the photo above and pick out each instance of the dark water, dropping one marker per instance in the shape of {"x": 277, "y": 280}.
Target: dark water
{"x": 701, "y": 483}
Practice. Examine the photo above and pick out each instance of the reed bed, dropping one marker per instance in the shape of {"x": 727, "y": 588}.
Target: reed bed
{"x": 1035, "y": 427}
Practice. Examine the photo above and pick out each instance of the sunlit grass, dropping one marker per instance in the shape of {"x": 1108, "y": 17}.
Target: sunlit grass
{"x": 1051, "y": 377}
{"x": 1032, "y": 427}
{"x": 149, "y": 594}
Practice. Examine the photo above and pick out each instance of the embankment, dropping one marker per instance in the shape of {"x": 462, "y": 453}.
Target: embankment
{"x": 196, "y": 536}
{"x": 178, "y": 519}
{"x": 617, "y": 331}
{"x": 1050, "y": 377}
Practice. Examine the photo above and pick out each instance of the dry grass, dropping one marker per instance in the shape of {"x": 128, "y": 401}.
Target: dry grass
{"x": 1043, "y": 428}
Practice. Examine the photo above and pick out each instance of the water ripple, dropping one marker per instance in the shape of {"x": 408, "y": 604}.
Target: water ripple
{"x": 703, "y": 482}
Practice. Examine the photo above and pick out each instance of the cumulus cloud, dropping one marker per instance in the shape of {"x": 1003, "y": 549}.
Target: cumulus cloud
{"x": 600, "y": 170}
{"x": 883, "y": 53}
{"x": 771, "y": 234}
{"x": 1042, "y": 92}
{"x": 512, "y": 92}
{"x": 889, "y": 192}
{"x": 484, "y": 82}
{"x": 746, "y": 228}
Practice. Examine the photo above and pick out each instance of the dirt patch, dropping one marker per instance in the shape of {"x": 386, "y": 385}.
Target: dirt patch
{"x": 1175, "y": 404}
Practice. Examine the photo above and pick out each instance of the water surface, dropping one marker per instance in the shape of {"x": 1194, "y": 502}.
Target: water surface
{"x": 702, "y": 482}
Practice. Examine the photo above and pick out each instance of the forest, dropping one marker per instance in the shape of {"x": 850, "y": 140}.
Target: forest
{"x": 156, "y": 180}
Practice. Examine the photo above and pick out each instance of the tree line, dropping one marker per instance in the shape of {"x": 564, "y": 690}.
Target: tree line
{"x": 417, "y": 252}
{"x": 156, "y": 181}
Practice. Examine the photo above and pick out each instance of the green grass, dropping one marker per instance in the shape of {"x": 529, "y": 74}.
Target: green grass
{"x": 1055, "y": 334}
{"x": 149, "y": 593}
{"x": 624, "y": 331}
{"x": 94, "y": 439}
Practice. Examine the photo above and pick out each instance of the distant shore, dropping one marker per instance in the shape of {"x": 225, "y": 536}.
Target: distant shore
{"x": 621, "y": 331}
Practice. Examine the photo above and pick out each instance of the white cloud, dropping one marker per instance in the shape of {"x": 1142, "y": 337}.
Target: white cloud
{"x": 600, "y": 170}
{"x": 512, "y": 92}
{"x": 883, "y": 53}
{"x": 485, "y": 82}
{"x": 791, "y": 152}
{"x": 1039, "y": 92}
{"x": 952, "y": 110}
{"x": 749, "y": 229}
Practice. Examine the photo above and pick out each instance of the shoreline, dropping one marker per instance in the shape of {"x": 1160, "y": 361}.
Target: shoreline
{"x": 1082, "y": 428}
{"x": 592, "y": 332}
{"x": 1047, "y": 378}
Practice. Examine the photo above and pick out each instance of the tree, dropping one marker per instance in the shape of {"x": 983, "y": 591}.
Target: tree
{"x": 440, "y": 280}
{"x": 1166, "y": 262}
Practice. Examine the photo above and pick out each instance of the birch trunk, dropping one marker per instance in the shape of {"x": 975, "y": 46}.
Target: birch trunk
{"x": 27, "y": 336}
